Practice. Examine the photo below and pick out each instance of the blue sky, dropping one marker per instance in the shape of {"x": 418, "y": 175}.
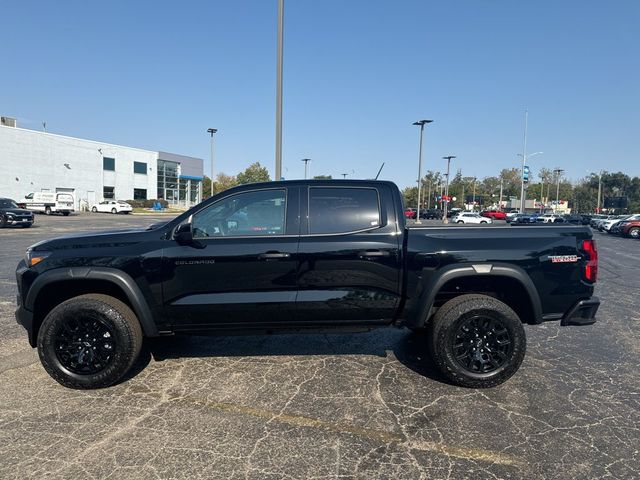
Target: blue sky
{"x": 156, "y": 75}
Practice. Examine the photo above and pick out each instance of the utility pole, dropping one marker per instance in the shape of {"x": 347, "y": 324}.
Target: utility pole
{"x": 429, "y": 196}
{"x": 474, "y": 194}
{"x": 306, "y": 162}
{"x": 599, "y": 191}
{"x": 212, "y": 131}
{"x": 500, "y": 201}
{"x": 422, "y": 123}
{"x": 524, "y": 160}
{"x": 446, "y": 203}
{"x": 344, "y": 175}
{"x": 279, "y": 91}
{"x": 558, "y": 172}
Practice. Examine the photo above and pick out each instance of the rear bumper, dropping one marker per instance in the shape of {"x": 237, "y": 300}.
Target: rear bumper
{"x": 582, "y": 313}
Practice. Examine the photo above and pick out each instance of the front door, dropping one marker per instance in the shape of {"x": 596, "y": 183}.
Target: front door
{"x": 349, "y": 256}
{"x": 244, "y": 274}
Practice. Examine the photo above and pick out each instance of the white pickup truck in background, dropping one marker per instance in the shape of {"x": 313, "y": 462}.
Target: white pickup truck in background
{"x": 49, "y": 202}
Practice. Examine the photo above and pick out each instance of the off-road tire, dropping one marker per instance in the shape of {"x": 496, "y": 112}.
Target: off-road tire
{"x": 442, "y": 334}
{"x": 121, "y": 320}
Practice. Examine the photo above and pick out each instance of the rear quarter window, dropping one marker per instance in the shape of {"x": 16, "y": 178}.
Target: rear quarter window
{"x": 343, "y": 209}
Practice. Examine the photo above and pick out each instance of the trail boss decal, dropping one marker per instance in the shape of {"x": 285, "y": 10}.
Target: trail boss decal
{"x": 564, "y": 258}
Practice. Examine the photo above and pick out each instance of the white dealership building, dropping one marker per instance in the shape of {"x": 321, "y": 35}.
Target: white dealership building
{"x": 34, "y": 161}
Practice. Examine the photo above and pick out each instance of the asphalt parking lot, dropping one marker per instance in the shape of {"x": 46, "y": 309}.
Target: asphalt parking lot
{"x": 329, "y": 406}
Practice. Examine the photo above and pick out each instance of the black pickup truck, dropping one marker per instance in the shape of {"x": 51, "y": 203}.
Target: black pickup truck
{"x": 303, "y": 256}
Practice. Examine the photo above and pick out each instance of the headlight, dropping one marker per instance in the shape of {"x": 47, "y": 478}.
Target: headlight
{"x": 34, "y": 257}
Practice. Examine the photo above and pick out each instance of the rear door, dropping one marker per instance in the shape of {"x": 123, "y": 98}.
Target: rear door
{"x": 244, "y": 273}
{"x": 349, "y": 269}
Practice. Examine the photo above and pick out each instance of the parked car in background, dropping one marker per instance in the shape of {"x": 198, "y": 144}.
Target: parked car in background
{"x": 410, "y": 213}
{"x": 524, "y": 218}
{"x": 470, "y": 218}
{"x": 12, "y": 215}
{"x": 431, "y": 213}
{"x": 452, "y": 212}
{"x": 494, "y": 214}
{"x": 510, "y": 216}
{"x": 549, "y": 218}
{"x": 112, "y": 206}
{"x": 631, "y": 228}
{"x": 575, "y": 219}
{"x": 49, "y": 202}
{"x": 606, "y": 225}
{"x": 622, "y": 226}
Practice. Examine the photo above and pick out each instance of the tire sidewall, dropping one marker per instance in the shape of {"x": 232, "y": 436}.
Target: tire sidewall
{"x": 118, "y": 365}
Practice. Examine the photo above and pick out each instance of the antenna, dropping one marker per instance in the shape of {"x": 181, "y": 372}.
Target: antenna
{"x": 381, "y": 167}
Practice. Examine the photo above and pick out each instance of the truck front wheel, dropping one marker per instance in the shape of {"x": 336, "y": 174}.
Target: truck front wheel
{"x": 89, "y": 341}
{"x": 477, "y": 341}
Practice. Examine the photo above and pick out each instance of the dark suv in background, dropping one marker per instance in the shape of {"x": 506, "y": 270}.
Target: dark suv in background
{"x": 12, "y": 215}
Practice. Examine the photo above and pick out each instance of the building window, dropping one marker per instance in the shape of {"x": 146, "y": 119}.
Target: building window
{"x": 140, "y": 167}
{"x": 108, "y": 192}
{"x": 109, "y": 163}
{"x": 139, "y": 193}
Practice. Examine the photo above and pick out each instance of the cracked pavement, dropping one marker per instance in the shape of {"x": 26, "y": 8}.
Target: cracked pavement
{"x": 329, "y": 406}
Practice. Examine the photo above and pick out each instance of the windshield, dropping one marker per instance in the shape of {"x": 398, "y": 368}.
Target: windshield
{"x": 6, "y": 203}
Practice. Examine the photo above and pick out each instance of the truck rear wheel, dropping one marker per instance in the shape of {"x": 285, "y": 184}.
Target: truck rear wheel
{"x": 89, "y": 341}
{"x": 47, "y": 211}
{"x": 477, "y": 341}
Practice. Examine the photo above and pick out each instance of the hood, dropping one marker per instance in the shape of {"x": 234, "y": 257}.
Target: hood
{"x": 17, "y": 211}
{"x": 111, "y": 238}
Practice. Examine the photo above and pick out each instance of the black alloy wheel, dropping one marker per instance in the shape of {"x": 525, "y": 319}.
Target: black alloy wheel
{"x": 481, "y": 344}
{"x": 84, "y": 345}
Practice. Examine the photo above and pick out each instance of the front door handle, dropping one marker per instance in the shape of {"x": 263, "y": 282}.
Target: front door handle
{"x": 271, "y": 255}
{"x": 374, "y": 253}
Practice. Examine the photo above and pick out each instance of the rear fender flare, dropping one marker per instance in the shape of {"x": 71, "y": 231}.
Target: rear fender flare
{"x": 425, "y": 308}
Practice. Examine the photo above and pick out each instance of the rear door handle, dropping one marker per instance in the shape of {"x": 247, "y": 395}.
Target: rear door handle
{"x": 271, "y": 255}
{"x": 374, "y": 253}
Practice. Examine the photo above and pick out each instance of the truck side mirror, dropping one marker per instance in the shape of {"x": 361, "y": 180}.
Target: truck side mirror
{"x": 183, "y": 235}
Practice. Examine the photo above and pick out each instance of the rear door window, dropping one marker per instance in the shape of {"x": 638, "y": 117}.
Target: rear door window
{"x": 343, "y": 209}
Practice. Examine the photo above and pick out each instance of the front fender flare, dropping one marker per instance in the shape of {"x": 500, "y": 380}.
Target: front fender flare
{"x": 117, "y": 277}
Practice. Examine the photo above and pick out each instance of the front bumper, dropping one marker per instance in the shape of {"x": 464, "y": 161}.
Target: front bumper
{"x": 582, "y": 313}
{"x": 25, "y": 318}
{"x": 17, "y": 221}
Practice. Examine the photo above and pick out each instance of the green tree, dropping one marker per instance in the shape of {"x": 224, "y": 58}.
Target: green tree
{"x": 253, "y": 174}
{"x": 222, "y": 183}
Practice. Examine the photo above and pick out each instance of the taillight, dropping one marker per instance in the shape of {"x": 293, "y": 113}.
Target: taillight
{"x": 591, "y": 267}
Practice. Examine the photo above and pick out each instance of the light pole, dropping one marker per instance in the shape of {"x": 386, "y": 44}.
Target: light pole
{"x": 279, "y": 91}
{"x": 522, "y": 191}
{"x": 558, "y": 173}
{"x": 599, "y": 189}
{"x": 473, "y": 201}
{"x": 422, "y": 123}
{"x": 429, "y": 196}
{"x": 306, "y": 162}
{"x": 212, "y": 131}
{"x": 500, "y": 201}
{"x": 446, "y": 190}
{"x": 344, "y": 175}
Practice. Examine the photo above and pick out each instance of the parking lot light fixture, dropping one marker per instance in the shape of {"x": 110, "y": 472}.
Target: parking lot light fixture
{"x": 421, "y": 123}
{"x": 306, "y": 166}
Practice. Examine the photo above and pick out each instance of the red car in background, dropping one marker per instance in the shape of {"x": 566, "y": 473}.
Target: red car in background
{"x": 410, "y": 213}
{"x": 494, "y": 214}
{"x": 630, "y": 228}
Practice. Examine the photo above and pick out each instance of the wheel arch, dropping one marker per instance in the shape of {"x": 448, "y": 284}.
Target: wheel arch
{"x": 508, "y": 283}
{"x": 55, "y": 286}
